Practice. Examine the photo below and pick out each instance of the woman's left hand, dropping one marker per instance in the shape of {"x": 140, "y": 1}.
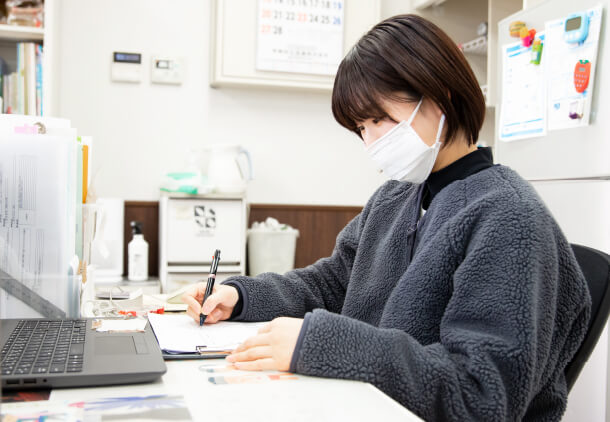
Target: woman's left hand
{"x": 271, "y": 348}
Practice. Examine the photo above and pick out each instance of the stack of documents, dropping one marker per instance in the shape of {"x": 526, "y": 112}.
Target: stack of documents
{"x": 180, "y": 334}
{"x": 38, "y": 219}
{"x": 43, "y": 180}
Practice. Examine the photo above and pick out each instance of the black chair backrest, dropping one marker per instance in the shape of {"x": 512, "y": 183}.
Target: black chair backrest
{"x": 595, "y": 266}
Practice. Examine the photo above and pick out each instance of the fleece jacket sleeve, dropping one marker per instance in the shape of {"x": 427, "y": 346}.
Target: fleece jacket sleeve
{"x": 320, "y": 285}
{"x": 510, "y": 316}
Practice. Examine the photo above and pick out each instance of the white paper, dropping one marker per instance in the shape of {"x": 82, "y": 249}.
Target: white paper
{"x": 301, "y": 36}
{"x": 181, "y": 334}
{"x": 560, "y": 59}
{"x": 37, "y": 218}
{"x": 523, "y": 112}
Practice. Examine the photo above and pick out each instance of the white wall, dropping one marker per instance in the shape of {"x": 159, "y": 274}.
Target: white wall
{"x": 301, "y": 155}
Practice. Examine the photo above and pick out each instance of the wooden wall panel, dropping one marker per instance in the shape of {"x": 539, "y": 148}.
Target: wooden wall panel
{"x": 148, "y": 214}
{"x": 318, "y": 226}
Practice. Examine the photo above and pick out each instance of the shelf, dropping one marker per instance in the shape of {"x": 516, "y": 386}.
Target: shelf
{"x": 424, "y": 4}
{"x": 477, "y": 46}
{"x": 484, "y": 89}
{"x": 21, "y": 33}
{"x": 211, "y": 195}
{"x": 203, "y": 267}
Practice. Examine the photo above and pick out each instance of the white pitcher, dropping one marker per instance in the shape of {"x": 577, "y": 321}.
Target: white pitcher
{"x": 225, "y": 171}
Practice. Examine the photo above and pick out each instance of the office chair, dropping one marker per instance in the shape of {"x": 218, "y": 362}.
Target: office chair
{"x": 595, "y": 266}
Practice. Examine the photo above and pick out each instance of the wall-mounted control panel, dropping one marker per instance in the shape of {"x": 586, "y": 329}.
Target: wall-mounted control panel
{"x": 167, "y": 70}
{"x": 126, "y": 67}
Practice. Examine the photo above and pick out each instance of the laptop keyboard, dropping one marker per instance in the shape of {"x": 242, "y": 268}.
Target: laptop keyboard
{"x": 44, "y": 347}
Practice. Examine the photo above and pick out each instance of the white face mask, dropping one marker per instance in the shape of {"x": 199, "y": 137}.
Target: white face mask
{"x": 402, "y": 155}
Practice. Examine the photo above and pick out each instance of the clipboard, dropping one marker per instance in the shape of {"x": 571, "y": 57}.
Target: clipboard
{"x": 181, "y": 338}
{"x": 201, "y": 354}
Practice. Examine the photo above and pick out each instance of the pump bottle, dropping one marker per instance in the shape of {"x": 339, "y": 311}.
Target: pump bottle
{"x": 138, "y": 254}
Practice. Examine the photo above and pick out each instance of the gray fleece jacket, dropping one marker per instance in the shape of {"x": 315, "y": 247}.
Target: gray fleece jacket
{"x": 470, "y": 312}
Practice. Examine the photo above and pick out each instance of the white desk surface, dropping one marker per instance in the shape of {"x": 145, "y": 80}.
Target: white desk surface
{"x": 305, "y": 399}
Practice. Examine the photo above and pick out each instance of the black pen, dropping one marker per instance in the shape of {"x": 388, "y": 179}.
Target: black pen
{"x": 210, "y": 285}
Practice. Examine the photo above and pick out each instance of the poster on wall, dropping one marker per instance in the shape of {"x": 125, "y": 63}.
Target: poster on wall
{"x": 300, "y": 36}
{"x": 570, "y": 66}
{"x": 523, "y": 111}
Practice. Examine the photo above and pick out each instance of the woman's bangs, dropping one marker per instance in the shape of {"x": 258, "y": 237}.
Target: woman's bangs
{"x": 354, "y": 98}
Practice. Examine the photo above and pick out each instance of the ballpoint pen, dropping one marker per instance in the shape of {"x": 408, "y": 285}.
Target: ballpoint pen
{"x": 210, "y": 284}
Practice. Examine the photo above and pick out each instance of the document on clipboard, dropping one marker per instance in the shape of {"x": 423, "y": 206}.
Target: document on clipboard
{"x": 180, "y": 337}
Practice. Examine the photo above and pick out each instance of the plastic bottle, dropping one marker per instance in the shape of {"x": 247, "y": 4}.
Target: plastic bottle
{"x": 138, "y": 254}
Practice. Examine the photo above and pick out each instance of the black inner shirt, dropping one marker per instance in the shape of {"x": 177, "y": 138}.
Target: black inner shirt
{"x": 466, "y": 166}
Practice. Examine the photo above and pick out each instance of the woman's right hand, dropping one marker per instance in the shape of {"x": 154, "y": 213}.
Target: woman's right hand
{"x": 218, "y": 306}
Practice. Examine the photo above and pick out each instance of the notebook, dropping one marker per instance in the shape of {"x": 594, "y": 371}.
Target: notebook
{"x": 180, "y": 337}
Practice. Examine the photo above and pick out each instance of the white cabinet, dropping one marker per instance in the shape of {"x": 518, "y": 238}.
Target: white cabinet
{"x": 197, "y": 227}
{"x": 191, "y": 228}
{"x": 182, "y": 277}
{"x": 233, "y": 45}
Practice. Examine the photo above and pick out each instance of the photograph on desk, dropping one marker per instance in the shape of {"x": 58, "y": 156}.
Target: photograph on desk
{"x": 251, "y": 379}
{"x": 410, "y": 197}
{"x": 148, "y": 408}
{"x": 24, "y": 396}
{"x": 40, "y": 411}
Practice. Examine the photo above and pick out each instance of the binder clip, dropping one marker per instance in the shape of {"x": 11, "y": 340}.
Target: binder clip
{"x": 536, "y": 51}
{"x": 527, "y": 36}
{"x": 41, "y": 128}
{"x": 577, "y": 109}
{"x": 201, "y": 350}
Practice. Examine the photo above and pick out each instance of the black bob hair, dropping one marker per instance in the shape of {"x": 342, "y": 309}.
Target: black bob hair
{"x": 405, "y": 58}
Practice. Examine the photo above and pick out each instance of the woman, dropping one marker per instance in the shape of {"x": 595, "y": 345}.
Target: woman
{"x": 454, "y": 291}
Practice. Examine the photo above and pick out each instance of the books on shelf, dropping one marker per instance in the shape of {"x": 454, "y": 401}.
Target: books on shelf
{"x": 21, "y": 90}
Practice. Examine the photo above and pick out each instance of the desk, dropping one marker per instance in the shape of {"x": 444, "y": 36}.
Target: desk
{"x": 305, "y": 399}
{"x": 151, "y": 286}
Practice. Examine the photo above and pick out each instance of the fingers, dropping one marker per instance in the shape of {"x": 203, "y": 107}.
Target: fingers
{"x": 192, "y": 303}
{"x": 213, "y": 305}
{"x": 192, "y": 297}
{"x": 258, "y": 340}
{"x": 254, "y": 353}
{"x": 193, "y": 314}
{"x": 212, "y": 301}
{"x": 265, "y": 364}
{"x": 196, "y": 291}
{"x": 265, "y": 328}
{"x": 215, "y": 316}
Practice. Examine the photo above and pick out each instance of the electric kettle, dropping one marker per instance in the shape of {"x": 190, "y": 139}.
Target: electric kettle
{"x": 225, "y": 170}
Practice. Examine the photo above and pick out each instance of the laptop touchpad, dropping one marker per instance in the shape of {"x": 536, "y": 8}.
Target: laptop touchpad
{"x": 114, "y": 345}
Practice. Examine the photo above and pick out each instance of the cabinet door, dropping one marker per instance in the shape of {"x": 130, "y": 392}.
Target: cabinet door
{"x": 197, "y": 227}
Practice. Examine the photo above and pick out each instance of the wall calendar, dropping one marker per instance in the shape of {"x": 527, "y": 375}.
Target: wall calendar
{"x": 300, "y": 36}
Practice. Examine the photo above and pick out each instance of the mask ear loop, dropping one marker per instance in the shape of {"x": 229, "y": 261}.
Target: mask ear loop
{"x": 440, "y": 129}
{"x": 415, "y": 112}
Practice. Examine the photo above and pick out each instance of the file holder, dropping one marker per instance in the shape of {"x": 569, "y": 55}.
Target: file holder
{"x": 38, "y": 225}
{"x": 46, "y": 307}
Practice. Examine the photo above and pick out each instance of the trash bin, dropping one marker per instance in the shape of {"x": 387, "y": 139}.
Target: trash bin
{"x": 271, "y": 247}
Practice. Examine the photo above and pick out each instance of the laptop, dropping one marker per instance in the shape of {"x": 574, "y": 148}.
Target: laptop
{"x": 52, "y": 353}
